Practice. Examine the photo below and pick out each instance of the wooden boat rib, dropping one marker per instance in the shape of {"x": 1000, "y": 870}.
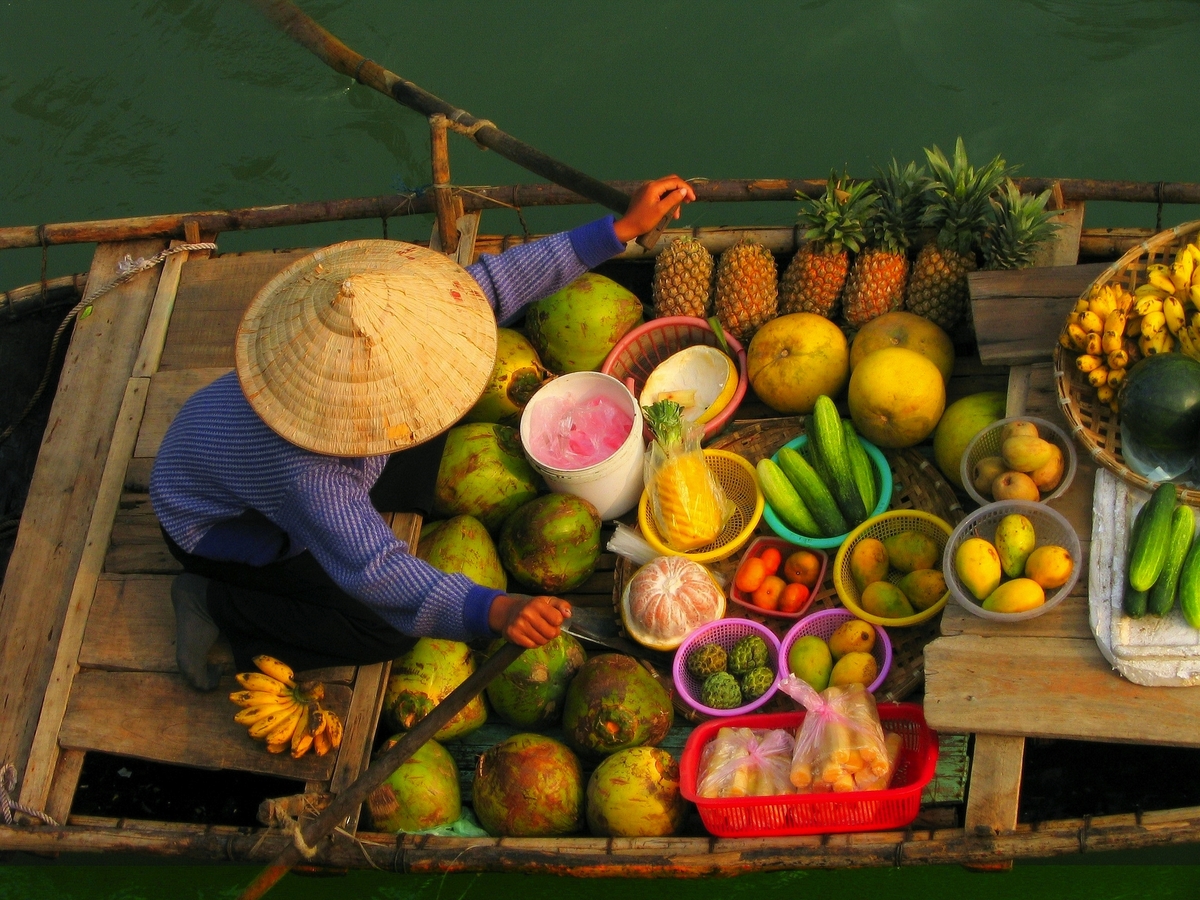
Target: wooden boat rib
{"x": 87, "y": 662}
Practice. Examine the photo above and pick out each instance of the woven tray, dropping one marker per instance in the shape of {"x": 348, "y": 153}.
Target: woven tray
{"x": 917, "y": 485}
{"x": 1093, "y": 423}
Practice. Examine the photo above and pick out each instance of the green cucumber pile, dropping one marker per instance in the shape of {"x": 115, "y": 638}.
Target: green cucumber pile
{"x": 828, "y": 487}
{"x": 1164, "y": 559}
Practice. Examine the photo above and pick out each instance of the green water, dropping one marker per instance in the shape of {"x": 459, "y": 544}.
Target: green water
{"x": 136, "y": 108}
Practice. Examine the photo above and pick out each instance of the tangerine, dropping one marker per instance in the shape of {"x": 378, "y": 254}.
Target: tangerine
{"x": 750, "y": 576}
{"x": 803, "y": 567}
{"x": 768, "y": 593}
{"x": 771, "y": 559}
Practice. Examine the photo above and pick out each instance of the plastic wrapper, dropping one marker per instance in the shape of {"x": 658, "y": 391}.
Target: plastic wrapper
{"x": 571, "y": 433}
{"x": 743, "y": 762}
{"x": 840, "y": 746}
{"x": 689, "y": 506}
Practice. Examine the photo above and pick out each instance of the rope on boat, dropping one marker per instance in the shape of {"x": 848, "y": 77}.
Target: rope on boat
{"x": 127, "y": 268}
{"x": 8, "y": 806}
{"x": 453, "y": 123}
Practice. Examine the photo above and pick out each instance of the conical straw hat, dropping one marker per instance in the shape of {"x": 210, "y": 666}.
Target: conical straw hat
{"x": 366, "y": 347}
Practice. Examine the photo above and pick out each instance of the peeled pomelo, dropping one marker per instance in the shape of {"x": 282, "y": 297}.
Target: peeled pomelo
{"x": 701, "y": 379}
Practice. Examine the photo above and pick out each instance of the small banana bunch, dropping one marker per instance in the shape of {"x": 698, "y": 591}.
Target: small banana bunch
{"x": 285, "y": 715}
{"x": 1111, "y": 328}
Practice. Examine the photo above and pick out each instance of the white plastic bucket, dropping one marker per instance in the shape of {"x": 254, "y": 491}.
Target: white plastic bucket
{"x": 613, "y": 485}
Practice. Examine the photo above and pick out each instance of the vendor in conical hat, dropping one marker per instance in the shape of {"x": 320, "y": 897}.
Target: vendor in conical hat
{"x": 350, "y": 366}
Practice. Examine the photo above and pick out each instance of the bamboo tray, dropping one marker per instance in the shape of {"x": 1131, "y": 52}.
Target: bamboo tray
{"x": 917, "y": 485}
{"x": 1093, "y": 423}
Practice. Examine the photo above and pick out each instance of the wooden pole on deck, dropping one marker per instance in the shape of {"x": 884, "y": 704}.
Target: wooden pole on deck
{"x": 443, "y": 195}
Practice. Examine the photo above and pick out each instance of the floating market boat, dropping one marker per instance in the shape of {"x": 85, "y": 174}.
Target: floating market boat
{"x": 87, "y": 664}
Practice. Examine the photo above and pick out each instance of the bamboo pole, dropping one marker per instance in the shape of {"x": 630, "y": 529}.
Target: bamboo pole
{"x": 443, "y": 195}
{"x": 306, "y": 32}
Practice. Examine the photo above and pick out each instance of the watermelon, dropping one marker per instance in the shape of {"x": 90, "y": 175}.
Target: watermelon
{"x": 1160, "y": 415}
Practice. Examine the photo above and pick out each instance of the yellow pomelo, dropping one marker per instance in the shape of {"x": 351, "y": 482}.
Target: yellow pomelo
{"x": 896, "y": 397}
{"x": 795, "y": 358}
{"x": 962, "y": 420}
{"x": 905, "y": 329}
{"x": 701, "y": 379}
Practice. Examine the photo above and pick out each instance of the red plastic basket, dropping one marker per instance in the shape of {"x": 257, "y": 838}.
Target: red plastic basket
{"x": 829, "y": 813}
{"x": 640, "y": 351}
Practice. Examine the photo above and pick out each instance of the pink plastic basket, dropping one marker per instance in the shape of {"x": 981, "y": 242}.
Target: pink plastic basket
{"x": 725, "y": 633}
{"x": 826, "y": 622}
{"x": 640, "y": 351}
{"x": 829, "y": 813}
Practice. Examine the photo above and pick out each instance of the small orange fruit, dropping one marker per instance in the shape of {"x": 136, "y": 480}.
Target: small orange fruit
{"x": 768, "y": 593}
{"x": 750, "y": 576}
{"x": 771, "y": 559}
{"x": 803, "y": 566}
{"x": 794, "y": 596}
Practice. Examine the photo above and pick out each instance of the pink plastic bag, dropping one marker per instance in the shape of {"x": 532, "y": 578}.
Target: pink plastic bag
{"x": 742, "y": 762}
{"x": 569, "y": 433}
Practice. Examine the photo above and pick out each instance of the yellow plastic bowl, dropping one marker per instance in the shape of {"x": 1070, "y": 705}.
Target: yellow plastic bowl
{"x": 880, "y": 527}
{"x": 737, "y": 476}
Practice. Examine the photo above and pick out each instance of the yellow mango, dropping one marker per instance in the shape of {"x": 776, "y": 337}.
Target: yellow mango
{"x": 911, "y": 550}
{"x": 977, "y": 565}
{"x": 851, "y": 636}
{"x": 1015, "y": 540}
{"x": 923, "y": 587}
{"x": 810, "y": 661}
{"x": 856, "y": 667}
{"x": 884, "y": 599}
{"x": 1050, "y": 566}
{"x": 1025, "y": 453}
{"x": 1018, "y": 595}
{"x": 868, "y": 562}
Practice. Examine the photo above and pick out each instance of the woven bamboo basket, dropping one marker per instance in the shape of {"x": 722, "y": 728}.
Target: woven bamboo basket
{"x": 917, "y": 485}
{"x": 1093, "y": 423}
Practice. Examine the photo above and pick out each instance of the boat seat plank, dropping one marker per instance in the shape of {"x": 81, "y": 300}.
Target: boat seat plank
{"x": 992, "y": 803}
{"x": 1014, "y": 310}
{"x": 212, "y": 295}
{"x": 168, "y": 391}
{"x": 156, "y": 716}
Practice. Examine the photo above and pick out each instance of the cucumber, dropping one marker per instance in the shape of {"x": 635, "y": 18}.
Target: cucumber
{"x": 1179, "y": 541}
{"x": 861, "y": 467}
{"x": 831, "y": 446}
{"x": 1134, "y": 602}
{"x": 812, "y": 453}
{"x": 1147, "y": 555}
{"x": 784, "y": 500}
{"x": 813, "y": 492}
{"x": 1189, "y": 586}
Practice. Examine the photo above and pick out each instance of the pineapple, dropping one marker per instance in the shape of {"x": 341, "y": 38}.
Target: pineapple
{"x": 834, "y": 221}
{"x": 879, "y": 273}
{"x": 746, "y": 291}
{"x": 958, "y": 206}
{"x": 683, "y": 279}
{"x": 1020, "y": 225}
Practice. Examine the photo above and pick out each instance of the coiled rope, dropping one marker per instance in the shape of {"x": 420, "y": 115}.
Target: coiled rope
{"x": 8, "y": 806}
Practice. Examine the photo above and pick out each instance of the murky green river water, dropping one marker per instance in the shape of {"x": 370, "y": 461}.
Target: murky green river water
{"x": 140, "y": 107}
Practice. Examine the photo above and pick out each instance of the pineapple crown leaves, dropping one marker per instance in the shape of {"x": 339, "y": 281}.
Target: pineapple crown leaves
{"x": 898, "y": 212}
{"x": 958, "y": 201}
{"x": 665, "y": 418}
{"x": 837, "y": 219}
{"x": 1019, "y": 224}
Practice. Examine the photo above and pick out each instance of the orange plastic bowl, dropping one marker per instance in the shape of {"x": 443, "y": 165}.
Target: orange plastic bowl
{"x": 641, "y": 351}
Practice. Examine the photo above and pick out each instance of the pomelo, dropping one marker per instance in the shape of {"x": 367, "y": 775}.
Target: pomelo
{"x": 795, "y": 358}
{"x": 896, "y": 397}
{"x": 905, "y": 329}
{"x": 962, "y": 420}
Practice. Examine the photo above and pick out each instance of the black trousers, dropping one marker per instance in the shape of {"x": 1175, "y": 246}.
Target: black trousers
{"x": 292, "y": 610}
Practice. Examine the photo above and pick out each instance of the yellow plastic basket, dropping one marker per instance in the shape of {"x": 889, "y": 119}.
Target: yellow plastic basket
{"x": 880, "y": 527}
{"x": 738, "y": 478}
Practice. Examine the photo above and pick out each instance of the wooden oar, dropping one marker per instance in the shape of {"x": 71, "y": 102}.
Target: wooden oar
{"x": 352, "y": 797}
{"x": 306, "y": 32}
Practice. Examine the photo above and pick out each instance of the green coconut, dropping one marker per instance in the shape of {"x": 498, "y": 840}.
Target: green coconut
{"x": 635, "y": 793}
{"x": 463, "y": 545}
{"x": 530, "y": 692}
{"x": 422, "y": 793}
{"x": 422, "y": 678}
{"x": 574, "y": 329}
{"x": 516, "y": 377}
{"x": 614, "y": 703}
{"x": 529, "y": 785}
{"x": 483, "y": 473}
{"x": 552, "y": 543}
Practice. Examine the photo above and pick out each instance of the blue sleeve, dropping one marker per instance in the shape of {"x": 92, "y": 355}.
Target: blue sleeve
{"x": 520, "y": 275}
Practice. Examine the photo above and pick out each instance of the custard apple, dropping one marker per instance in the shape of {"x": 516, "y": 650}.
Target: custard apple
{"x": 721, "y": 691}
{"x": 748, "y": 653}
{"x": 757, "y": 682}
{"x": 706, "y": 659}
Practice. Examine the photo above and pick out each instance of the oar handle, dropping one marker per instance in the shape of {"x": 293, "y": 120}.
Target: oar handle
{"x": 650, "y": 238}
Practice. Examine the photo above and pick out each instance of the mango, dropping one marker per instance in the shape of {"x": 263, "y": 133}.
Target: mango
{"x": 1015, "y": 540}
{"x": 910, "y": 550}
{"x": 868, "y": 562}
{"x": 923, "y": 587}
{"x": 1018, "y": 595}
{"x": 810, "y": 661}
{"x": 985, "y": 472}
{"x": 854, "y": 668}
{"x": 1050, "y": 566}
{"x": 853, "y": 635}
{"x": 1047, "y": 477}
{"x": 884, "y": 599}
{"x": 1024, "y": 453}
{"x": 977, "y": 565}
{"x": 1015, "y": 486}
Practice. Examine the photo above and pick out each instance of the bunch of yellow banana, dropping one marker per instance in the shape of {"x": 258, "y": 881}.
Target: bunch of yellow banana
{"x": 285, "y": 715}
{"x": 1111, "y": 328}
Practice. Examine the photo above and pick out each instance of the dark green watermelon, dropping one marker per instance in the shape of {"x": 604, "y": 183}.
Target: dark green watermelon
{"x": 1160, "y": 410}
